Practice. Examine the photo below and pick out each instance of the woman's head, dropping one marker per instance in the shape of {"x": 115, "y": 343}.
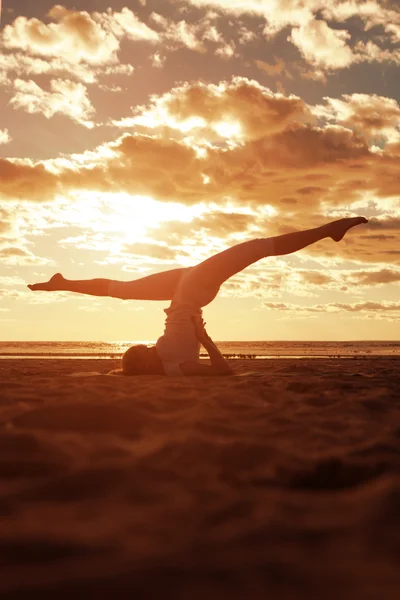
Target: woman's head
{"x": 141, "y": 359}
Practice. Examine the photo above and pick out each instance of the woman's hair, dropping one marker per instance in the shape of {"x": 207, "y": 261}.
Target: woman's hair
{"x": 132, "y": 360}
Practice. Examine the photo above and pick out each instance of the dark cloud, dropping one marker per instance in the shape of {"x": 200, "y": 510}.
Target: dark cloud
{"x": 335, "y": 307}
{"x": 27, "y": 181}
{"x": 376, "y": 277}
{"x": 316, "y": 278}
{"x": 13, "y": 251}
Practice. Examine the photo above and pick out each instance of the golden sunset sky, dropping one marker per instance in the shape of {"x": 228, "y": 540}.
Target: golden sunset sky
{"x": 139, "y": 136}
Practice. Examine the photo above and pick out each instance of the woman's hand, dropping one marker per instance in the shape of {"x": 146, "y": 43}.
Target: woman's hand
{"x": 200, "y": 329}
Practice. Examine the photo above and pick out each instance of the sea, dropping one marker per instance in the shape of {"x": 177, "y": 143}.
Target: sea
{"x": 241, "y": 350}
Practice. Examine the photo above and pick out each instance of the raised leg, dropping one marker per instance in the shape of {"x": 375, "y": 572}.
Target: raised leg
{"x": 211, "y": 273}
{"x": 292, "y": 242}
{"x": 159, "y": 286}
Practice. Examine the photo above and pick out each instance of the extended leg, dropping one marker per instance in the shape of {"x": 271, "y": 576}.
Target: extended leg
{"x": 159, "y": 286}
{"x": 211, "y": 273}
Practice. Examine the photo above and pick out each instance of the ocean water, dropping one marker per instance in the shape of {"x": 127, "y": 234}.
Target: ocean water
{"x": 258, "y": 349}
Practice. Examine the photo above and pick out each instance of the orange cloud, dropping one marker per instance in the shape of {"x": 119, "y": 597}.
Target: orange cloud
{"x": 372, "y": 13}
{"x": 316, "y": 278}
{"x": 381, "y": 277}
{"x": 15, "y": 255}
{"x": 303, "y": 170}
{"x": 246, "y": 104}
{"x": 335, "y": 307}
{"x": 75, "y": 35}
{"x": 65, "y": 97}
{"x": 366, "y": 246}
{"x": 76, "y": 42}
{"x": 5, "y": 137}
{"x": 376, "y": 117}
{"x": 324, "y": 47}
{"x": 301, "y": 163}
{"x": 276, "y": 70}
{"x": 22, "y": 65}
{"x": 158, "y": 252}
{"x": 181, "y": 32}
{"x": 87, "y": 45}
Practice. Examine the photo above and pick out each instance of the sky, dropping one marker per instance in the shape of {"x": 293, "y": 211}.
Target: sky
{"x": 140, "y": 136}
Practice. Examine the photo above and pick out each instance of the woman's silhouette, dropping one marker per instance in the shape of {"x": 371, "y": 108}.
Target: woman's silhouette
{"x": 189, "y": 289}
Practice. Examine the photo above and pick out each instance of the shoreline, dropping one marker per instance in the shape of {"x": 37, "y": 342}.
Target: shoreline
{"x": 229, "y": 356}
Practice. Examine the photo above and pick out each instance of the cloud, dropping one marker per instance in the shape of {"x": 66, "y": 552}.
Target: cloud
{"x": 158, "y": 60}
{"x": 11, "y": 281}
{"x": 385, "y": 222}
{"x": 87, "y": 46}
{"x": 95, "y": 39}
{"x": 157, "y": 252}
{"x": 76, "y": 42}
{"x": 335, "y": 307}
{"x": 25, "y": 180}
{"x": 223, "y": 223}
{"x": 206, "y": 229}
{"x": 365, "y": 306}
{"x": 376, "y": 117}
{"x": 381, "y": 277}
{"x": 278, "y": 13}
{"x": 14, "y": 255}
{"x": 5, "y": 137}
{"x": 198, "y": 36}
{"x": 282, "y": 13}
{"x": 274, "y": 70}
{"x": 283, "y": 160}
{"x": 17, "y": 64}
{"x": 128, "y": 165}
{"x": 142, "y": 165}
{"x": 65, "y": 97}
{"x": 227, "y": 51}
{"x": 240, "y": 108}
{"x": 180, "y": 32}
{"x": 4, "y": 227}
{"x": 75, "y": 36}
{"x": 5, "y": 220}
{"x": 265, "y": 279}
{"x": 366, "y": 244}
{"x": 371, "y": 52}
{"x": 371, "y": 12}
{"x": 126, "y": 24}
{"x": 316, "y": 278}
{"x": 322, "y": 46}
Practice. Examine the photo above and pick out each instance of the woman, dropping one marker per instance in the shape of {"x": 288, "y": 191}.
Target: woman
{"x": 189, "y": 289}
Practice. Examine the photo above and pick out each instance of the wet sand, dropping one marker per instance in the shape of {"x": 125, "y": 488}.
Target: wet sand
{"x": 282, "y": 481}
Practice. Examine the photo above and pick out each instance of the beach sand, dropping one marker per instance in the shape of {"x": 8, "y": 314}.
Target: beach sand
{"x": 282, "y": 481}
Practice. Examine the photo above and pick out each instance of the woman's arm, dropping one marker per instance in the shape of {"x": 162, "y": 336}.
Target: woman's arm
{"x": 219, "y": 366}
{"x": 218, "y": 363}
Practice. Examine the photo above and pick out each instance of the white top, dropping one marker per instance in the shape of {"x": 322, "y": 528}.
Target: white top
{"x": 179, "y": 342}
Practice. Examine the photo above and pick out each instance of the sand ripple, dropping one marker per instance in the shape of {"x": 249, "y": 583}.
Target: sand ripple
{"x": 283, "y": 480}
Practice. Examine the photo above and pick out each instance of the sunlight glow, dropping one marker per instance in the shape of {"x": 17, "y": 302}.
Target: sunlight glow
{"x": 163, "y": 118}
{"x": 269, "y": 211}
{"x": 128, "y": 216}
{"x": 228, "y": 129}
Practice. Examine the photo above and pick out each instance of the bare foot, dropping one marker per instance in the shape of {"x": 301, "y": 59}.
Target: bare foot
{"x": 338, "y": 229}
{"x": 56, "y": 283}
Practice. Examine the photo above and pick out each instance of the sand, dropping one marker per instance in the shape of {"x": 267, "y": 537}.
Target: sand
{"x": 282, "y": 481}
